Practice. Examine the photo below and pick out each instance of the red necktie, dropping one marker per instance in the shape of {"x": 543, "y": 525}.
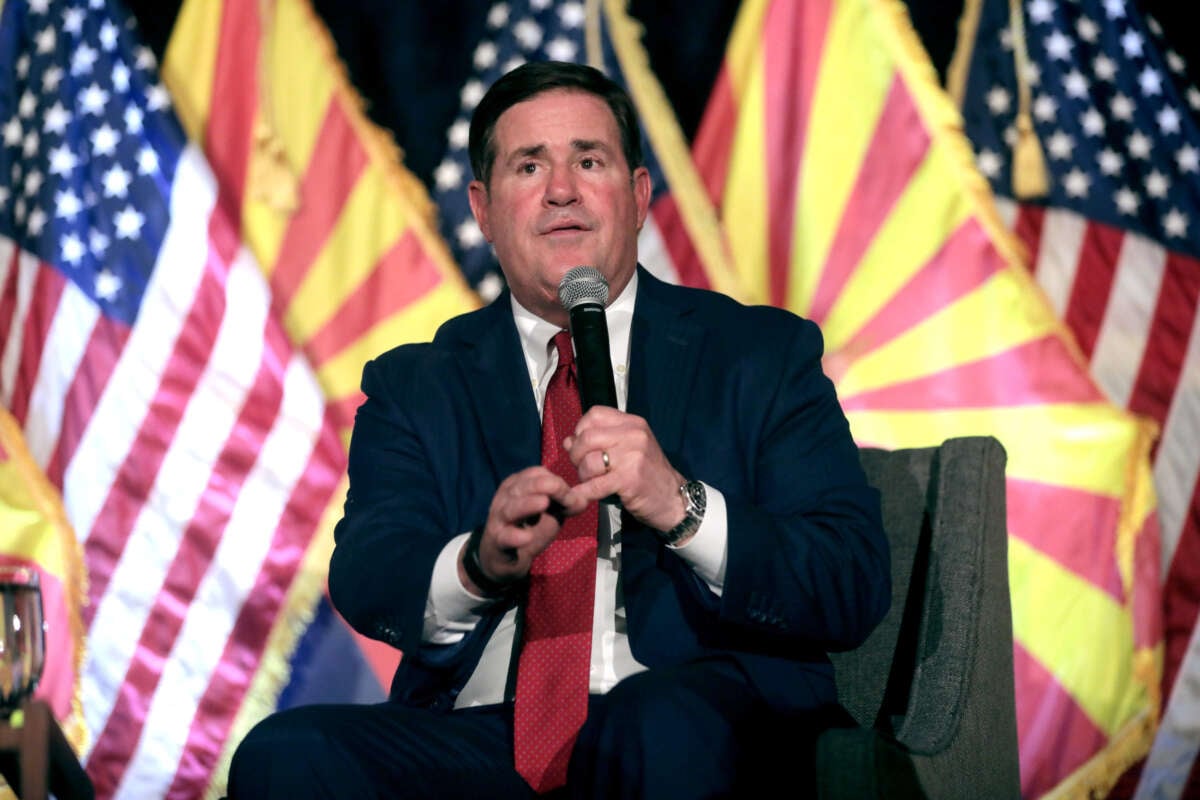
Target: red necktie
{"x": 556, "y": 652}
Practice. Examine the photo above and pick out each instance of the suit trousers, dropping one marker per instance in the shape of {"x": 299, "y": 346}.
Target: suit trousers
{"x": 698, "y": 730}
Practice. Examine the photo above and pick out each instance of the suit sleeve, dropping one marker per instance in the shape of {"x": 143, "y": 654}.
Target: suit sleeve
{"x": 397, "y": 519}
{"x": 808, "y": 559}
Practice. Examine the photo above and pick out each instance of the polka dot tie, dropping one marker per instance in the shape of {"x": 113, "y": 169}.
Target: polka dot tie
{"x": 556, "y": 650}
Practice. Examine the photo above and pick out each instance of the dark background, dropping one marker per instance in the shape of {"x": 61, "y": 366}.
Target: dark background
{"x": 409, "y": 58}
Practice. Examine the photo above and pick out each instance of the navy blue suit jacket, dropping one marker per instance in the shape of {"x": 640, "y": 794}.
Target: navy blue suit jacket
{"x": 736, "y": 398}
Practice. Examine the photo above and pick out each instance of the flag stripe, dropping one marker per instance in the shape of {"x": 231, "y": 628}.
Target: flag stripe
{"x": 9, "y": 267}
{"x": 399, "y": 279}
{"x": 1183, "y": 597}
{"x": 1026, "y": 222}
{"x": 1121, "y": 339}
{"x": 676, "y": 243}
{"x": 1057, "y": 255}
{"x": 243, "y": 650}
{"x": 101, "y": 351}
{"x": 714, "y": 136}
{"x": 1048, "y": 438}
{"x": 45, "y": 290}
{"x": 1004, "y": 379}
{"x": 58, "y": 355}
{"x": 1170, "y": 330}
{"x": 1073, "y": 510}
{"x": 141, "y": 468}
{"x": 227, "y": 135}
{"x": 932, "y": 287}
{"x": 791, "y": 67}
{"x": 1177, "y": 461}
{"x": 22, "y": 281}
{"x": 883, "y": 178}
{"x": 1177, "y": 478}
{"x": 1171, "y": 766}
{"x": 952, "y": 336}
{"x": 1056, "y": 616}
{"x": 1084, "y": 311}
{"x": 1055, "y": 735}
{"x": 337, "y": 163}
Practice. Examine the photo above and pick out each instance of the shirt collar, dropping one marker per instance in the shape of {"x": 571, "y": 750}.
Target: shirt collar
{"x": 536, "y": 333}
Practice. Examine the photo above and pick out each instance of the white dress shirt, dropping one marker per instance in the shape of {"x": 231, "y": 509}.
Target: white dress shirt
{"x": 451, "y": 611}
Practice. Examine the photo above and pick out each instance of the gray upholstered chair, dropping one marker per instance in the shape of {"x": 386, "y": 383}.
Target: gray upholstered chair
{"x": 932, "y": 688}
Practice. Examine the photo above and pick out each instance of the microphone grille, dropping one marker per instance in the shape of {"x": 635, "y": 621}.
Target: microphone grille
{"x": 582, "y": 285}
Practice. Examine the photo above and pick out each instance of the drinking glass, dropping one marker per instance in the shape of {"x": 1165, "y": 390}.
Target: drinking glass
{"x": 22, "y": 636}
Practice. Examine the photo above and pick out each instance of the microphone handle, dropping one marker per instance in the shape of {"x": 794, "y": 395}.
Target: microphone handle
{"x": 593, "y": 363}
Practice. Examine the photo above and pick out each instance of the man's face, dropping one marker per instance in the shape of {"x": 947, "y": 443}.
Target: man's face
{"x": 560, "y": 196}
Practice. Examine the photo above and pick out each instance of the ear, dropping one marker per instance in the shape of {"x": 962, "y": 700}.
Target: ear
{"x": 477, "y": 196}
{"x": 642, "y": 188}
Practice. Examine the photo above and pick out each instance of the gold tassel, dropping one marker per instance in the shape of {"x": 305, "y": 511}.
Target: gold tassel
{"x": 269, "y": 174}
{"x": 1029, "y": 175}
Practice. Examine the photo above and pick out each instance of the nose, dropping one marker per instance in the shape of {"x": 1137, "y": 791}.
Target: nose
{"x": 561, "y": 189}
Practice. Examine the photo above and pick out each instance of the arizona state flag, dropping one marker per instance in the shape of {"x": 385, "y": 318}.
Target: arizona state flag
{"x": 849, "y": 195}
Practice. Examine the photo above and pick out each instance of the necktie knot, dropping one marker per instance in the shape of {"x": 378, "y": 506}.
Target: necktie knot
{"x": 562, "y": 343}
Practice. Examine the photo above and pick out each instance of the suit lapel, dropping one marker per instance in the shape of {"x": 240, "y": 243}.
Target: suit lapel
{"x": 495, "y": 372}
{"x": 665, "y": 349}
{"x": 664, "y": 355}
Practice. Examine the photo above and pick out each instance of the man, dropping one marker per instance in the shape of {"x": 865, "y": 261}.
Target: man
{"x": 744, "y": 543}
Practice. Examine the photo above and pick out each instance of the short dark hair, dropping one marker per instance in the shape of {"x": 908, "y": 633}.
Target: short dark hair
{"x": 534, "y": 78}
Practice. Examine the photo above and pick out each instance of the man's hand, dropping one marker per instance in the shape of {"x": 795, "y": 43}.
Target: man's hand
{"x": 636, "y": 469}
{"x": 518, "y": 526}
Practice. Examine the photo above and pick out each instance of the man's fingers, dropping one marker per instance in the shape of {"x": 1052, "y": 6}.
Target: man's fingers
{"x": 554, "y": 509}
{"x": 597, "y": 488}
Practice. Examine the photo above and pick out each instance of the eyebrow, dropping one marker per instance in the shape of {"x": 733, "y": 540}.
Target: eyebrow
{"x": 539, "y": 150}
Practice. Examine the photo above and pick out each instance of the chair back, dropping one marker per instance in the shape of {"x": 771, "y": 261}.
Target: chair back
{"x": 942, "y": 659}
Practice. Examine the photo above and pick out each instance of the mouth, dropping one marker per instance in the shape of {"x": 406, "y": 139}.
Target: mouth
{"x": 564, "y": 226}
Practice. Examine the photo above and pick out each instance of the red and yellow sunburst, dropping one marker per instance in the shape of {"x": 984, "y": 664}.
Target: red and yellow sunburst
{"x": 849, "y": 195}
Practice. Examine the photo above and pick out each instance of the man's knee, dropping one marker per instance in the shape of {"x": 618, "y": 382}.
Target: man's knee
{"x": 283, "y": 751}
{"x": 287, "y": 734}
{"x": 638, "y": 707}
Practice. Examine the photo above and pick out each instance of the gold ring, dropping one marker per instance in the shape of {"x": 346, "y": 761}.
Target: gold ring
{"x": 604, "y": 458}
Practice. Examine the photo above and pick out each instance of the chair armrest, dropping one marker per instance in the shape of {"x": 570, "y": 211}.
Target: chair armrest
{"x": 959, "y": 724}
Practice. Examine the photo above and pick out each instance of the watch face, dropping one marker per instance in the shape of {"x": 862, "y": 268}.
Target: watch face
{"x": 696, "y": 499}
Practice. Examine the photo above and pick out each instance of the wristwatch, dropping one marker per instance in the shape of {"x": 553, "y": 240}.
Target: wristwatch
{"x": 695, "y": 500}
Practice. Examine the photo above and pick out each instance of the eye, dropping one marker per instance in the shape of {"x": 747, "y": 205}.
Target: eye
{"x": 587, "y": 162}
{"x": 528, "y": 168}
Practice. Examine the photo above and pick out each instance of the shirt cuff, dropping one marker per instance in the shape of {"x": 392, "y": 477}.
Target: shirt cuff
{"x": 706, "y": 551}
{"x": 450, "y": 608}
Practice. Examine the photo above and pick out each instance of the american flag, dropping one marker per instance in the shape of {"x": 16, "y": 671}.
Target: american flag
{"x": 1114, "y": 244}
{"x": 540, "y": 30}
{"x": 154, "y": 385}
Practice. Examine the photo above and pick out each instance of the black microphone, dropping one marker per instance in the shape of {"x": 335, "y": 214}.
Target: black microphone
{"x": 583, "y": 292}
